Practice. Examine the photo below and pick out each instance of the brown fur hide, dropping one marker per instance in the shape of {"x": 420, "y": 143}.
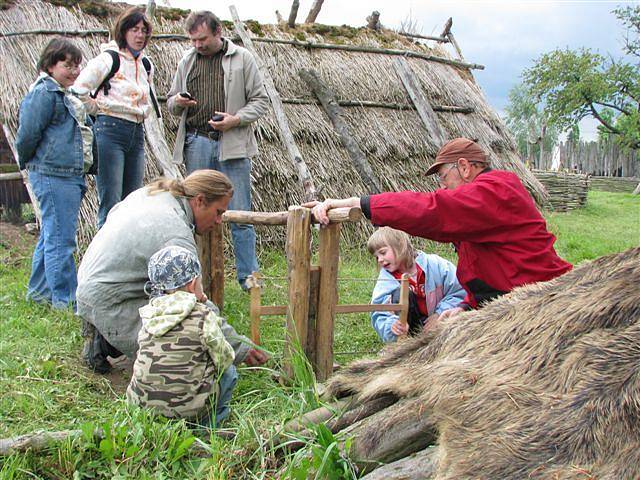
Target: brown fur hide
{"x": 541, "y": 383}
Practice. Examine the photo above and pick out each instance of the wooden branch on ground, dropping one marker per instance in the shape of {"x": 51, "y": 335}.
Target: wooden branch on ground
{"x": 315, "y": 10}
{"x": 334, "y": 112}
{"x": 429, "y": 118}
{"x": 293, "y": 14}
{"x": 336, "y": 215}
{"x": 419, "y": 466}
{"x": 304, "y": 176}
{"x": 373, "y": 21}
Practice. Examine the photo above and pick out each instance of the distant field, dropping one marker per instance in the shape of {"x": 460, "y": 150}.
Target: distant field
{"x": 44, "y": 386}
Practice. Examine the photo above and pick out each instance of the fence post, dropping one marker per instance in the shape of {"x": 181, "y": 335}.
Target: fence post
{"x": 298, "y": 249}
{"x": 216, "y": 289}
{"x": 328, "y": 256}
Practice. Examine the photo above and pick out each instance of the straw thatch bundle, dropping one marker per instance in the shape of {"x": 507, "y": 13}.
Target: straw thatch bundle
{"x": 541, "y": 383}
{"x": 393, "y": 140}
{"x": 565, "y": 191}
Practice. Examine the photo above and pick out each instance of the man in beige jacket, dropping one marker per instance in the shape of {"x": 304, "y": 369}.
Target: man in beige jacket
{"x": 218, "y": 93}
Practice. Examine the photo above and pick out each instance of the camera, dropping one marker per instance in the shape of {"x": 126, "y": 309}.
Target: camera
{"x": 217, "y": 118}
{"x": 186, "y": 95}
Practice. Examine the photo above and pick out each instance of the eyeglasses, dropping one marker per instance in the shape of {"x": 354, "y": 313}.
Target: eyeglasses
{"x": 70, "y": 67}
{"x": 443, "y": 176}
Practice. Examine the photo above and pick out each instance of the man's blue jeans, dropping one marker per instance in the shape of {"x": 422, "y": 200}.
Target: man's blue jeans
{"x": 120, "y": 161}
{"x": 53, "y": 270}
{"x": 202, "y": 153}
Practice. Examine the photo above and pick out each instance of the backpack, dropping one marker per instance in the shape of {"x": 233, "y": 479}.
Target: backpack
{"x": 115, "y": 66}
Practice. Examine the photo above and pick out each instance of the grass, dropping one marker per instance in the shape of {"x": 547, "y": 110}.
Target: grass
{"x": 44, "y": 386}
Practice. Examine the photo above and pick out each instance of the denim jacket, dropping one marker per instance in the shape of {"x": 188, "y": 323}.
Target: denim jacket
{"x": 442, "y": 290}
{"x": 50, "y": 138}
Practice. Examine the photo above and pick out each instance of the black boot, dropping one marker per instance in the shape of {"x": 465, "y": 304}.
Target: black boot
{"x": 96, "y": 349}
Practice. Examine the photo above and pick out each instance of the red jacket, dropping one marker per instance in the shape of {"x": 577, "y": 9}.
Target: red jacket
{"x": 501, "y": 238}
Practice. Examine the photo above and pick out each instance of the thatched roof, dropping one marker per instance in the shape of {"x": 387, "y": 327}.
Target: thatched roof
{"x": 394, "y": 141}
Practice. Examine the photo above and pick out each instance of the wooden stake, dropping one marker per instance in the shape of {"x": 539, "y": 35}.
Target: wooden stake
{"x": 404, "y": 299}
{"x": 314, "y": 291}
{"x": 315, "y": 10}
{"x": 216, "y": 290}
{"x": 334, "y": 112}
{"x": 328, "y": 257}
{"x": 309, "y": 190}
{"x": 293, "y": 14}
{"x": 298, "y": 249}
{"x": 446, "y": 32}
{"x": 428, "y": 116}
{"x": 254, "y": 310}
{"x": 373, "y": 20}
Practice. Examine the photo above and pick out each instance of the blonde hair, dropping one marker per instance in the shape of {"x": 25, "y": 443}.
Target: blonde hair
{"x": 210, "y": 183}
{"x": 397, "y": 241}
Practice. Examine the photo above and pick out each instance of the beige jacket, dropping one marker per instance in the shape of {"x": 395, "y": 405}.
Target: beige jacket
{"x": 245, "y": 96}
{"x": 129, "y": 94}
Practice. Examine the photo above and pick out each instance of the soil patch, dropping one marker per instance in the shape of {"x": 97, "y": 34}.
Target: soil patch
{"x": 18, "y": 242}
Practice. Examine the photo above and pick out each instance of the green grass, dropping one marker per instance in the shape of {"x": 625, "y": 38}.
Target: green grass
{"x": 44, "y": 386}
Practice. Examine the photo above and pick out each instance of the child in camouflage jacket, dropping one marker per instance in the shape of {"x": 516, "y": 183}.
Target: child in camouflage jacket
{"x": 184, "y": 364}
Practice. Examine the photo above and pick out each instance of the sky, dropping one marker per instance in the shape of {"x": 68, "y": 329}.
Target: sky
{"x": 505, "y": 36}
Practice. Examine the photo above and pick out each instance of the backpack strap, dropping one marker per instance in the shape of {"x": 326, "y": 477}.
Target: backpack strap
{"x": 115, "y": 66}
{"x": 147, "y": 66}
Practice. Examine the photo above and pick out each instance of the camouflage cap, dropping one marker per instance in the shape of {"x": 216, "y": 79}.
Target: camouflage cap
{"x": 171, "y": 268}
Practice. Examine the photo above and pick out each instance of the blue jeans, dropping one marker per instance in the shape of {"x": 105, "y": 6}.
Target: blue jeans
{"x": 53, "y": 270}
{"x": 202, "y": 153}
{"x": 226, "y": 384}
{"x": 120, "y": 161}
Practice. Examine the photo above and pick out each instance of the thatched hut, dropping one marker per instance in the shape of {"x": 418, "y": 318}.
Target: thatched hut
{"x": 383, "y": 122}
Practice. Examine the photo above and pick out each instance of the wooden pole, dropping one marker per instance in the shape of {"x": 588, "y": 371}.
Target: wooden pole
{"x": 404, "y": 299}
{"x": 446, "y": 32}
{"x": 314, "y": 291}
{"x": 328, "y": 257}
{"x": 336, "y": 215}
{"x": 373, "y": 21}
{"x": 315, "y": 10}
{"x": 293, "y": 14}
{"x": 151, "y": 9}
{"x": 206, "y": 255}
{"x": 424, "y": 37}
{"x": 369, "y": 104}
{"x": 298, "y": 248}
{"x": 334, "y": 112}
{"x": 216, "y": 289}
{"x": 255, "y": 304}
{"x": 428, "y": 116}
{"x": 308, "y": 188}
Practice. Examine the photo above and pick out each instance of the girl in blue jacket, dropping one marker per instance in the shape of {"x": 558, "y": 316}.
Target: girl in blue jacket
{"x": 433, "y": 286}
{"x": 54, "y": 143}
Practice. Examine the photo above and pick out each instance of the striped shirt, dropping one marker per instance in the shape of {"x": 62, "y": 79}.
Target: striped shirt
{"x": 205, "y": 83}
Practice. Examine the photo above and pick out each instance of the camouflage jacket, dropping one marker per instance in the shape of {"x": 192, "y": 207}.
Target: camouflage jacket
{"x": 182, "y": 354}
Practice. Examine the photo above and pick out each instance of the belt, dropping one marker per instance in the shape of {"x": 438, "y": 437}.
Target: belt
{"x": 210, "y": 134}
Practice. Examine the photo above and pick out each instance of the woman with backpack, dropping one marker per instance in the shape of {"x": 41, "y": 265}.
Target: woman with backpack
{"x": 55, "y": 144}
{"x": 117, "y": 88}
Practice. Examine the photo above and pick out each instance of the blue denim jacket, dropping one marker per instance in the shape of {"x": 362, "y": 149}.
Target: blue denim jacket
{"x": 49, "y": 139}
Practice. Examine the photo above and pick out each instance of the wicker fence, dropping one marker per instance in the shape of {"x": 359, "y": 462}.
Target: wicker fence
{"x": 566, "y": 191}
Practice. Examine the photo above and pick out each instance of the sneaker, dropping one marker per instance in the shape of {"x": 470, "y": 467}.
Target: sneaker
{"x": 96, "y": 349}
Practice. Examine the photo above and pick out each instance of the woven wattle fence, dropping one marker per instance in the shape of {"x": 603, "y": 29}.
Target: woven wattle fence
{"x": 566, "y": 191}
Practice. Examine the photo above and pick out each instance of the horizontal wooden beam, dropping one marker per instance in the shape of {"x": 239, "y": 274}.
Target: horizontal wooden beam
{"x": 273, "y": 310}
{"x": 336, "y": 215}
{"x": 368, "y": 307}
{"x": 424, "y": 37}
{"x": 297, "y": 43}
{"x": 5, "y": 177}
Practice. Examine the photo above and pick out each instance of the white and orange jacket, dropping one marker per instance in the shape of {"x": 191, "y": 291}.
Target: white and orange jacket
{"x": 128, "y": 96}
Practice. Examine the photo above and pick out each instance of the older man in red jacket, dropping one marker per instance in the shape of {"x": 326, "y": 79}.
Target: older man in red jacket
{"x": 500, "y": 236}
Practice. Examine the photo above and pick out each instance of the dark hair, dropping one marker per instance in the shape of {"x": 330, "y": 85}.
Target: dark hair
{"x": 126, "y": 21}
{"x": 58, "y": 49}
{"x": 195, "y": 19}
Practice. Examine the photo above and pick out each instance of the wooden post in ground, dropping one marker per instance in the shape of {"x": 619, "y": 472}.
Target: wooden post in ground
{"x": 254, "y": 309}
{"x": 206, "y": 254}
{"x": 304, "y": 177}
{"x": 334, "y": 112}
{"x": 216, "y": 247}
{"x": 328, "y": 256}
{"x": 404, "y": 299}
{"x": 315, "y": 10}
{"x": 427, "y": 115}
{"x": 298, "y": 250}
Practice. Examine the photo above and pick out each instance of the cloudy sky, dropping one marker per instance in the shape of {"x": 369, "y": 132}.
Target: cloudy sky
{"x": 504, "y": 35}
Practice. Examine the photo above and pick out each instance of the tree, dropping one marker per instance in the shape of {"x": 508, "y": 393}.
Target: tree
{"x": 574, "y": 84}
{"x": 527, "y": 123}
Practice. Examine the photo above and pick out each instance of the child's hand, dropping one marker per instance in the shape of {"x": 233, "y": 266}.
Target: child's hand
{"x": 255, "y": 357}
{"x": 398, "y": 328}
